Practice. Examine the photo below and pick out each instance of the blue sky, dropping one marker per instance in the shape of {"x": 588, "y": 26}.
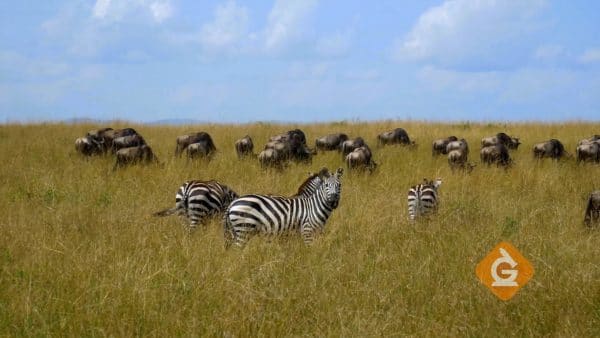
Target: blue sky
{"x": 302, "y": 60}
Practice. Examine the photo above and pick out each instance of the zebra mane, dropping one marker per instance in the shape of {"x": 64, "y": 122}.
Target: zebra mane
{"x": 322, "y": 173}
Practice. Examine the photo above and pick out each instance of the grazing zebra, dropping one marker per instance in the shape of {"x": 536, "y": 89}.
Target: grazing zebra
{"x": 422, "y": 198}
{"x": 275, "y": 215}
{"x": 199, "y": 199}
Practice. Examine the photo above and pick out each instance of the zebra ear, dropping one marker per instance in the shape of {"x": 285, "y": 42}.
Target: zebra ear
{"x": 324, "y": 172}
{"x": 339, "y": 172}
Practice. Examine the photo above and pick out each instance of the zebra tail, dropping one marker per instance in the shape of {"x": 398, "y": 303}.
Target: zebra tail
{"x": 227, "y": 230}
{"x": 165, "y": 212}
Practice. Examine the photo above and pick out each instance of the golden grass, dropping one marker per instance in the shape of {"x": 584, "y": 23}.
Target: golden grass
{"x": 80, "y": 254}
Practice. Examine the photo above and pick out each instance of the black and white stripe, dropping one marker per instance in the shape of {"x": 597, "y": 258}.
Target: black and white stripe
{"x": 199, "y": 199}
{"x": 275, "y": 215}
{"x": 423, "y": 199}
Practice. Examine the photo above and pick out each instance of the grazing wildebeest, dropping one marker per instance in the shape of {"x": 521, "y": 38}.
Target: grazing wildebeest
{"x": 132, "y": 155}
{"x": 134, "y": 140}
{"x": 594, "y": 138}
{"x": 85, "y": 146}
{"x": 396, "y": 136}
{"x": 183, "y": 141}
{"x": 497, "y": 153}
{"x": 289, "y": 146}
{"x": 330, "y": 142}
{"x": 99, "y": 137}
{"x": 244, "y": 146}
{"x": 552, "y": 148}
{"x": 272, "y": 157}
{"x": 200, "y": 149}
{"x": 111, "y": 134}
{"x": 360, "y": 158}
{"x": 457, "y": 159}
{"x": 503, "y": 138}
{"x": 348, "y": 146}
{"x": 461, "y": 145}
{"x": 592, "y": 212}
{"x": 439, "y": 146}
{"x": 588, "y": 152}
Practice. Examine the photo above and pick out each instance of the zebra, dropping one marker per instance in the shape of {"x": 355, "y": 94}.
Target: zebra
{"x": 422, "y": 198}
{"x": 199, "y": 199}
{"x": 275, "y": 215}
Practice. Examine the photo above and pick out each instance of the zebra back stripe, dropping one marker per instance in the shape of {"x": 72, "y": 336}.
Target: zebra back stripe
{"x": 423, "y": 199}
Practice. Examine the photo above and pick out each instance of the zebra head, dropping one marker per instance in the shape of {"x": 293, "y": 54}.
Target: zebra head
{"x": 332, "y": 187}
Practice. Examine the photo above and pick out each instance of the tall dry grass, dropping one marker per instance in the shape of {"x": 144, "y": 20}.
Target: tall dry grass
{"x": 80, "y": 254}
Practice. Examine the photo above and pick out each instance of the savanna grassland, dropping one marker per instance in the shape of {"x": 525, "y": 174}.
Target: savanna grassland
{"x": 81, "y": 255}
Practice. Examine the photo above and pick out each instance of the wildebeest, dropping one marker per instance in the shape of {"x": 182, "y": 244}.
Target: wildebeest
{"x": 132, "y": 155}
{"x": 503, "y": 138}
{"x": 134, "y": 140}
{"x": 588, "y": 152}
{"x": 100, "y": 138}
{"x": 200, "y": 149}
{"x": 439, "y": 146}
{"x": 396, "y": 136}
{"x": 594, "y": 138}
{"x": 85, "y": 146}
{"x": 457, "y": 159}
{"x": 183, "y": 141}
{"x": 244, "y": 146}
{"x": 592, "y": 212}
{"x": 552, "y": 148}
{"x": 360, "y": 158}
{"x": 271, "y": 157}
{"x": 331, "y": 142}
{"x": 461, "y": 145}
{"x": 348, "y": 146}
{"x": 296, "y": 134}
{"x": 109, "y": 135}
{"x": 497, "y": 153}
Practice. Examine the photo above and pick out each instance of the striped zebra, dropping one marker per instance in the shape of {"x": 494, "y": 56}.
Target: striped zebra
{"x": 199, "y": 199}
{"x": 276, "y": 215}
{"x": 422, "y": 198}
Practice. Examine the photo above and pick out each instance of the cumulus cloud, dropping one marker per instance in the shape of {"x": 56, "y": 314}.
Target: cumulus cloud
{"x": 229, "y": 26}
{"x": 591, "y": 55}
{"x": 286, "y": 22}
{"x": 457, "y": 30}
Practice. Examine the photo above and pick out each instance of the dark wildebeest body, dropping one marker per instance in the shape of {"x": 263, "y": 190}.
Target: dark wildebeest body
{"x": 348, "y": 146}
{"x": 439, "y": 146}
{"x": 244, "y": 146}
{"x": 272, "y": 157}
{"x": 496, "y": 154}
{"x": 396, "y": 136}
{"x": 132, "y": 155}
{"x": 592, "y": 212}
{"x": 588, "y": 152}
{"x": 457, "y": 159}
{"x": 461, "y": 145}
{"x": 552, "y": 148}
{"x": 501, "y": 138}
{"x": 331, "y": 142}
{"x": 288, "y": 146}
{"x": 200, "y": 149}
{"x": 594, "y": 138}
{"x": 85, "y": 146}
{"x": 360, "y": 158}
{"x": 110, "y": 135}
{"x": 99, "y": 137}
{"x": 135, "y": 140}
{"x": 182, "y": 142}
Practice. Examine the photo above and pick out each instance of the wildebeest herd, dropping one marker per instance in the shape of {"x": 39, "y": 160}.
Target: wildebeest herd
{"x": 308, "y": 210}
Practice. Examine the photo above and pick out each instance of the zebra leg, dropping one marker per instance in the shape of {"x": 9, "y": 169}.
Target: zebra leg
{"x": 308, "y": 234}
{"x": 242, "y": 233}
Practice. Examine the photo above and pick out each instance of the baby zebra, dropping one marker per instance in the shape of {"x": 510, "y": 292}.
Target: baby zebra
{"x": 199, "y": 199}
{"x": 276, "y": 215}
{"x": 422, "y": 198}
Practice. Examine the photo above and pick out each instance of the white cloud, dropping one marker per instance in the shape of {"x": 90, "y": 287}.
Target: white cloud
{"x": 229, "y": 26}
{"x": 286, "y": 22}
{"x": 549, "y": 52}
{"x": 460, "y": 29}
{"x": 117, "y": 10}
{"x": 591, "y": 55}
